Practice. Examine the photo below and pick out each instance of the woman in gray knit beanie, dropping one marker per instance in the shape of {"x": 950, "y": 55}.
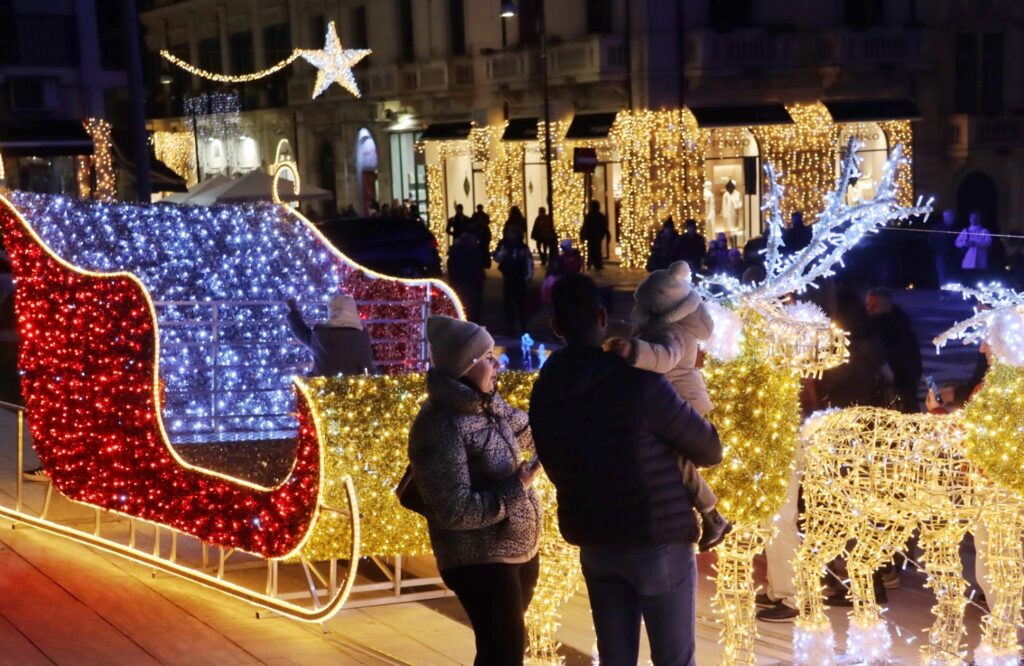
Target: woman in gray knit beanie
{"x": 484, "y": 517}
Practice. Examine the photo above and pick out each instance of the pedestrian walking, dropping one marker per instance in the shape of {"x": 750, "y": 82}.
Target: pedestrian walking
{"x": 544, "y": 236}
{"x": 975, "y": 241}
{"x": 516, "y": 219}
{"x": 902, "y": 347}
{"x": 691, "y": 246}
{"x": 664, "y": 246}
{"x": 484, "y": 518}
{"x": 516, "y": 265}
{"x": 593, "y": 232}
{"x": 480, "y": 225}
{"x": 467, "y": 274}
{"x": 457, "y": 224}
{"x": 339, "y": 345}
{"x": 608, "y": 435}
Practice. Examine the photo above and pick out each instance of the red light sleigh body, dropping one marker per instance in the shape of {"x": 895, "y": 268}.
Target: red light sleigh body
{"x": 90, "y": 377}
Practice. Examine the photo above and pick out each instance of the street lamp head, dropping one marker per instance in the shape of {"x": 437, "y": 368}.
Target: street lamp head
{"x": 509, "y": 9}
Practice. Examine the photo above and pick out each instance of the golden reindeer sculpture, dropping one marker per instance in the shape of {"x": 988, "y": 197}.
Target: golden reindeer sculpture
{"x": 762, "y": 345}
{"x": 873, "y": 476}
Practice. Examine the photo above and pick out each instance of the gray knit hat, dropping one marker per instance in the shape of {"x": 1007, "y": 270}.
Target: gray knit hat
{"x": 456, "y": 345}
{"x": 343, "y": 313}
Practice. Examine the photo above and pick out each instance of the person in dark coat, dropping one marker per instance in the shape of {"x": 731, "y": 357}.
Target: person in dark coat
{"x": 593, "y": 232}
{"x": 608, "y": 436}
{"x": 466, "y": 274}
{"x": 544, "y": 236}
{"x": 691, "y": 247}
{"x": 717, "y": 259}
{"x": 515, "y": 219}
{"x": 902, "y": 347}
{"x": 797, "y": 236}
{"x": 480, "y": 226}
{"x": 484, "y": 517}
{"x": 340, "y": 346}
{"x": 866, "y": 377}
{"x": 457, "y": 224}
{"x": 663, "y": 247}
{"x": 516, "y": 265}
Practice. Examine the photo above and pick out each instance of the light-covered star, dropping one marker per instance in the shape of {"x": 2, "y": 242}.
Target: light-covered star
{"x": 333, "y": 63}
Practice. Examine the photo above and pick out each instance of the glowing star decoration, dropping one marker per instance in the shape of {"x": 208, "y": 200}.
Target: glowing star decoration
{"x": 334, "y": 64}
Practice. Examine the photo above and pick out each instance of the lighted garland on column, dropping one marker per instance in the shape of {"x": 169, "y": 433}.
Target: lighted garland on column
{"x": 178, "y": 151}
{"x": 436, "y": 210}
{"x": 805, "y": 153}
{"x": 631, "y": 133}
{"x": 102, "y": 159}
{"x": 83, "y": 176}
{"x": 899, "y": 133}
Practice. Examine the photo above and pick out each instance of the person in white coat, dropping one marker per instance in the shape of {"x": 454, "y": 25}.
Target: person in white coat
{"x": 975, "y": 241}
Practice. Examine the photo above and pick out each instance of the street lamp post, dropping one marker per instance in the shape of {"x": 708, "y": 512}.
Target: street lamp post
{"x": 508, "y": 9}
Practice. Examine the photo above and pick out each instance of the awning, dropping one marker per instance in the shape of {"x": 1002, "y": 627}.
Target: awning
{"x": 43, "y": 138}
{"x": 520, "y": 129}
{"x": 741, "y": 116}
{"x": 446, "y": 132}
{"x": 591, "y": 126}
{"x": 865, "y": 110}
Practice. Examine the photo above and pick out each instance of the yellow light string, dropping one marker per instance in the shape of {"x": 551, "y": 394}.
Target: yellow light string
{"x": 276, "y": 171}
{"x": 436, "y": 209}
{"x": 364, "y": 423}
{"x": 875, "y": 476}
{"x": 102, "y": 159}
{"x": 631, "y": 133}
{"x": 178, "y": 151}
{"x": 83, "y": 174}
{"x": 228, "y": 78}
{"x": 899, "y": 132}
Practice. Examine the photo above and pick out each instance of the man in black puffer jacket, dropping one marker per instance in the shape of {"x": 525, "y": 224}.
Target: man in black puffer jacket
{"x": 608, "y": 435}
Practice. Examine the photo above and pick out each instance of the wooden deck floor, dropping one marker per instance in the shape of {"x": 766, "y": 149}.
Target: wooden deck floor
{"x": 61, "y": 603}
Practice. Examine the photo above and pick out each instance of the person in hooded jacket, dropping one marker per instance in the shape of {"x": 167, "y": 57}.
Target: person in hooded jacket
{"x": 340, "y": 346}
{"x": 484, "y": 518}
{"x": 608, "y": 435}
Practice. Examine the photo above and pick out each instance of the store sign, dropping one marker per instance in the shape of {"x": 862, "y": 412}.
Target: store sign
{"x": 584, "y": 160}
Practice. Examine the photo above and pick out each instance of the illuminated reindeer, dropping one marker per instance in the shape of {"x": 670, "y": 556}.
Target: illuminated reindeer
{"x": 875, "y": 475}
{"x": 762, "y": 345}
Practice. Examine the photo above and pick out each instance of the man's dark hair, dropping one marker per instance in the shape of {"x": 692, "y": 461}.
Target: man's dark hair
{"x": 576, "y": 306}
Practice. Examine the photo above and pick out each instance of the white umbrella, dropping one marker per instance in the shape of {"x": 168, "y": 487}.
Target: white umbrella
{"x": 196, "y": 190}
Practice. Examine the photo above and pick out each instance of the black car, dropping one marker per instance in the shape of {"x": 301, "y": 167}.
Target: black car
{"x": 394, "y": 246}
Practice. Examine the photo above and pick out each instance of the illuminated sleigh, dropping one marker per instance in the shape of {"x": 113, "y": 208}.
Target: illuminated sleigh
{"x": 130, "y": 342}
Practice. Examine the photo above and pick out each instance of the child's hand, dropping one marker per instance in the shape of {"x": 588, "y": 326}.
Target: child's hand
{"x": 618, "y": 346}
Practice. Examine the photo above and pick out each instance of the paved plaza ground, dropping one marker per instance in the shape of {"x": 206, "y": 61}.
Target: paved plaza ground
{"x": 61, "y": 603}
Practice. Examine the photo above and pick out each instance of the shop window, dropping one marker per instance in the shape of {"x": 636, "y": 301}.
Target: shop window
{"x": 873, "y": 154}
{"x": 726, "y": 15}
{"x": 731, "y": 186}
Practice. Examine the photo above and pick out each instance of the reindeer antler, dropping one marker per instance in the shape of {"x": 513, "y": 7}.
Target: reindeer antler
{"x": 999, "y": 302}
{"x": 839, "y": 227}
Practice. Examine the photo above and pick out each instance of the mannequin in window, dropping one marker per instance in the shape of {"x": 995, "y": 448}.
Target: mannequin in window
{"x": 732, "y": 203}
{"x": 709, "y": 206}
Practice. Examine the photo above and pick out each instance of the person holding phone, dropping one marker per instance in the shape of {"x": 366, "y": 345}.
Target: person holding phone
{"x": 483, "y": 515}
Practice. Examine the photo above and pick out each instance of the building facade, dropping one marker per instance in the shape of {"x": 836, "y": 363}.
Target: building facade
{"x": 452, "y": 68}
